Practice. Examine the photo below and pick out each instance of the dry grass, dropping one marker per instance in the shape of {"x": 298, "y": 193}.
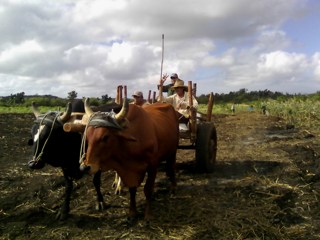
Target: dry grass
{"x": 265, "y": 186}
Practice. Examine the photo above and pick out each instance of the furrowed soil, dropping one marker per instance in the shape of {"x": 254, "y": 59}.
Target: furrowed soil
{"x": 265, "y": 186}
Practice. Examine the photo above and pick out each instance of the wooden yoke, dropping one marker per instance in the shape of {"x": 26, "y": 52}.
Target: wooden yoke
{"x": 193, "y": 116}
{"x": 73, "y": 127}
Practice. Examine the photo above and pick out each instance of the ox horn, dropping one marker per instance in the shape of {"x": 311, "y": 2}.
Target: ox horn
{"x": 87, "y": 107}
{"x": 124, "y": 110}
{"x": 67, "y": 114}
{"x": 35, "y": 110}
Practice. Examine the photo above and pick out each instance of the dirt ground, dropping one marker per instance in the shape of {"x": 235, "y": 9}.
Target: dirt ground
{"x": 265, "y": 186}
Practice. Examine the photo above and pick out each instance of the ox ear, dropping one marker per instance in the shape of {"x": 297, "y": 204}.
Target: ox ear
{"x": 126, "y": 136}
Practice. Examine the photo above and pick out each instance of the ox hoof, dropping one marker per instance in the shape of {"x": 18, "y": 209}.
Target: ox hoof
{"x": 147, "y": 224}
{"x": 172, "y": 194}
{"x": 118, "y": 192}
{"x": 100, "y": 206}
{"x": 131, "y": 221}
{"x": 61, "y": 216}
{"x": 85, "y": 169}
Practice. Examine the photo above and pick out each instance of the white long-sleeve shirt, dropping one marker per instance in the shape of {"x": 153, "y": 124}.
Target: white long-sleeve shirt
{"x": 181, "y": 104}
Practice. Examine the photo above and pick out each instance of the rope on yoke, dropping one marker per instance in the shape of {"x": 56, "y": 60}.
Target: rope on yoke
{"x": 83, "y": 142}
{"x": 82, "y": 154}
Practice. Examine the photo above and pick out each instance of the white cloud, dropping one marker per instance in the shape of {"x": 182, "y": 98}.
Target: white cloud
{"x": 93, "y": 46}
{"x": 23, "y": 50}
{"x": 316, "y": 65}
{"x": 281, "y": 63}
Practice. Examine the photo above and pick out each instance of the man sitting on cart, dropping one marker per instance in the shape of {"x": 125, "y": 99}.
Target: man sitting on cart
{"x": 180, "y": 102}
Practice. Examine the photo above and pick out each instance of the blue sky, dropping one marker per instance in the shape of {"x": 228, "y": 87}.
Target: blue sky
{"x": 304, "y": 31}
{"x": 91, "y": 47}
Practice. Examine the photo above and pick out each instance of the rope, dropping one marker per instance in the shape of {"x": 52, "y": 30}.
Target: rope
{"x": 36, "y": 159}
{"x": 83, "y": 142}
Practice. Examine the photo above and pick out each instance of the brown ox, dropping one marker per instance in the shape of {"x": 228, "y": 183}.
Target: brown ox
{"x": 133, "y": 143}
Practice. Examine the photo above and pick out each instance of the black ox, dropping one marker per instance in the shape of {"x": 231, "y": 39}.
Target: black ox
{"x": 52, "y": 145}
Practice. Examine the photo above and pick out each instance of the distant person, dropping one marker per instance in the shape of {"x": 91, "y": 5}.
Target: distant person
{"x": 264, "y": 109}
{"x": 233, "y": 108}
{"x": 138, "y": 99}
{"x": 169, "y": 87}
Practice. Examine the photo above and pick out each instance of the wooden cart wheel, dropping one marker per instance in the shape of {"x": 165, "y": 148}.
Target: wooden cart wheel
{"x": 206, "y": 146}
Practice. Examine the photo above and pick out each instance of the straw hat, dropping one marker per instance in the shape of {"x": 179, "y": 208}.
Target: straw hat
{"x": 180, "y": 84}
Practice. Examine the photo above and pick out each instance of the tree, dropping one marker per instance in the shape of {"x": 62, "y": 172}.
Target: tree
{"x": 105, "y": 99}
{"x": 72, "y": 95}
{"x": 13, "y": 99}
{"x": 19, "y": 98}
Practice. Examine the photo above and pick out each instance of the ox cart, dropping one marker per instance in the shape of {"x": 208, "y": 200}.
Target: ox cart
{"x": 201, "y": 135}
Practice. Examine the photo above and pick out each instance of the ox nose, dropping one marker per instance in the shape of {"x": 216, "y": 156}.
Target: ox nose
{"x": 35, "y": 164}
{"x": 84, "y": 168}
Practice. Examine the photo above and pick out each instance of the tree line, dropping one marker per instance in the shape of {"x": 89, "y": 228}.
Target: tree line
{"x": 244, "y": 96}
{"x": 20, "y": 99}
{"x": 238, "y": 97}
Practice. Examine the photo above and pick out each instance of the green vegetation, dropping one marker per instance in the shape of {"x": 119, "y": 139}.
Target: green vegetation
{"x": 297, "y": 112}
{"x": 296, "y": 109}
{"x": 19, "y": 103}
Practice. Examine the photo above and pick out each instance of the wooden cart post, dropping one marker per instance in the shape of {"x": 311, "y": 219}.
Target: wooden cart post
{"x": 119, "y": 95}
{"x": 210, "y": 105}
{"x": 154, "y": 97}
{"x": 149, "y": 97}
{"x": 124, "y": 92}
{"x": 193, "y": 117}
{"x": 194, "y": 90}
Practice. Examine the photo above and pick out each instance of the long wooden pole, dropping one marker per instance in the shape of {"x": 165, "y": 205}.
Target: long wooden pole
{"x": 161, "y": 85}
{"x": 162, "y": 54}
